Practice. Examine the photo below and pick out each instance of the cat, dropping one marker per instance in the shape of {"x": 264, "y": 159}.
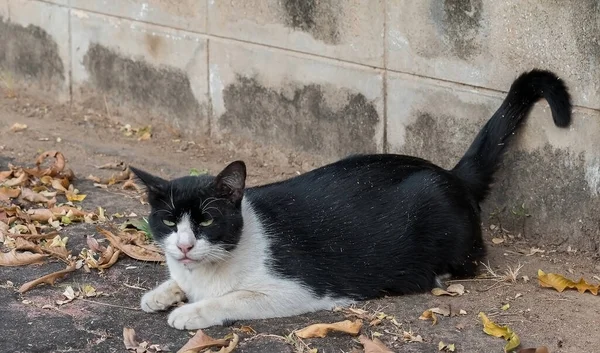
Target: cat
{"x": 360, "y": 228}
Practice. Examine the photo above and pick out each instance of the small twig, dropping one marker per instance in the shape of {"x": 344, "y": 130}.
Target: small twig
{"x": 557, "y": 299}
{"x": 108, "y": 304}
{"x": 134, "y": 287}
{"x": 497, "y": 284}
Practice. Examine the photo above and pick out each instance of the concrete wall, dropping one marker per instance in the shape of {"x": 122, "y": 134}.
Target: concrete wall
{"x": 337, "y": 77}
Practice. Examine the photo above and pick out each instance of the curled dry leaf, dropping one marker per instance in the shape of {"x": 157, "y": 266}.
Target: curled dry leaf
{"x": 200, "y": 341}
{"x": 129, "y": 338}
{"x": 133, "y": 250}
{"x": 231, "y": 346}
{"x": 57, "y": 167}
{"x": 373, "y": 346}
{"x": 542, "y": 349}
{"x": 409, "y": 336}
{"x": 14, "y": 258}
{"x": 31, "y": 196}
{"x": 18, "y": 127}
{"x": 7, "y": 193}
{"x": 49, "y": 278}
{"x": 452, "y": 290}
{"x": 321, "y": 330}
{"x": 429, "y": 315}
{"x": 17, "y": 181}
{"x": 560, "y": 283}
{"x": 492, "y": 329}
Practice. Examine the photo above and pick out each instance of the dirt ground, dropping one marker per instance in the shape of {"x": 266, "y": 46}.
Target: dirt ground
{"x": 564, "y": 322}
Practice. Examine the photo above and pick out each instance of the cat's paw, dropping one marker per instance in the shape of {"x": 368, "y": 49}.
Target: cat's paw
{"x": 191, "y": 317}
{"x": 162, "y": 297}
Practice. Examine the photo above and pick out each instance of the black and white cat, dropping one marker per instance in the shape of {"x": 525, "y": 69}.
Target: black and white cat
{"x": 357, "y": 229}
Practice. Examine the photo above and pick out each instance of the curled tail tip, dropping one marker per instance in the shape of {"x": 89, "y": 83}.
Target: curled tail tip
{"x": 546, "y": 84}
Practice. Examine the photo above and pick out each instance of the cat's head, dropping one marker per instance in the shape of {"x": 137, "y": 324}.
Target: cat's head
{"x": 197, "y": 219}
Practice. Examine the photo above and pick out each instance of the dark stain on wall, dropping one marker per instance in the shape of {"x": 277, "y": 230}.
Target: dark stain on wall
{"x": 555, "y": 193}
{"x": 442, "y": 140}
{"x": 316, "y": 17}
{"x": 163, "y": 91}
{"x": 459, "y": 23}
{"x": 302, "y": 119}
{"x": 32, "y": 54}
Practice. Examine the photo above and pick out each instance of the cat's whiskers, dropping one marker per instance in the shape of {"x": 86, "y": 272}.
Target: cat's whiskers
{"x": 211, "y": 208}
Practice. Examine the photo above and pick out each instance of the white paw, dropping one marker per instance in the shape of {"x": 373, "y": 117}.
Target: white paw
{"x": 190, "y": 317}
{"x": 160, "y": 299}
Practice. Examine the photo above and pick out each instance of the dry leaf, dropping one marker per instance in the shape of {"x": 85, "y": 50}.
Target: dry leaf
{"x": 446, "y": 347}
{"x": 48, "y": 279}
{"x": 560, "y": 283}
{"x": 70, "y": 294}
{"x": 31, "y": 196}
{"x": 505, "y": 332}
{"x": 201, "y": 341}
{"x": 497, "y": 240}
{"x": 505, "y": 306}
{"x": 17, "y": 127}
{"x": 14, "y": 258}
{"x": 7, "y": 193}
{"x": 134, "y": 251}
{"x": 409, "y": 336}
{"x": 542, "y": 349}
{"x": 247, "y": 329}
{"x": 129, "y": 338}
{"x": 428, "y": 314}
{"x": 321, "y": 330}
{"x": 452, "y": 290}
{"x": 373, "y": 346}
{"x": 231, "y": 346}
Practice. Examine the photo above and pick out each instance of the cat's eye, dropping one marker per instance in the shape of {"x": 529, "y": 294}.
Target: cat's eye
{"x": 168, "y": 223}
{"x": 206, "y": 223}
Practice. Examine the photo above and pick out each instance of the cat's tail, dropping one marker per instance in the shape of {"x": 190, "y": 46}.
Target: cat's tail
{"x": 476, "y": 168}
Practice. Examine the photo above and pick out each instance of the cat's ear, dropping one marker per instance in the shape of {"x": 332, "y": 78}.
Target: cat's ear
{"x": 231, "y": 181}
{"x": 155, "y": 185}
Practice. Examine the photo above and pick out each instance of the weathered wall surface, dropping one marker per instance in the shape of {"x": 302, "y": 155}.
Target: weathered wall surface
{"x": 338, "y": 77}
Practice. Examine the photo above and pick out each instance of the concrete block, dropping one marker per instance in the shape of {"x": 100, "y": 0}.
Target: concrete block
{"x": 35, "y": 46}
{"x": 144, "y": 70}
{"x": 319, "y": 106}
{"x": 488, "y": 43}
{"x": 554, "y": 172}
{"x": 189, "y": 15}
{"x": 351, "y": 30}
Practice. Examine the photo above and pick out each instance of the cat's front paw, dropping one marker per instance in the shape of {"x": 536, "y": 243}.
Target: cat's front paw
{"x": 191, "y": 317}
{"x": 162, "y": 297}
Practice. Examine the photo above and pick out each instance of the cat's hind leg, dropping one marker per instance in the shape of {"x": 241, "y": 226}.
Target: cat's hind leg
{"x": 162, "y": 297}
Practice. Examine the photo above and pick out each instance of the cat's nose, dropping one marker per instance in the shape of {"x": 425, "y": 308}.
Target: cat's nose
{"x": 185, "y": 248}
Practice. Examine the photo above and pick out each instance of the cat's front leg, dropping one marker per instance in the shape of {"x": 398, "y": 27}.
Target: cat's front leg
{"x": 215, "y": 311}
{"x": 162, "y": 297}
{"x": 243, "y": 305}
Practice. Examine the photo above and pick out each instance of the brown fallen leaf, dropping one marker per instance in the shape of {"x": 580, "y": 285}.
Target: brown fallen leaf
{"x": 49, "y": 278}
{"x": 373, "y": 346}
{"x": 560, "y": 283}
{"x": 131, "y": 250}
{"x": 492, "y": 329}
{"x": 321, "y": 330}
{"x": 409, "y": 336}
{"x": 7, "y": 193}
{"x": 452, "y": 290}
{"x": 200, "y": 341}
{"x": 428, "y": 314}
{"x": 129, "y": 338}
{"x": 14, "y": 258}
{"x": 5, "y": 174}
{"x": 31, "y": 196}
{"x": 542, "y": 349}
{"x": 57, "y": 167}
{"x": 231, "y": 346}
{"x": 17, "y": 181}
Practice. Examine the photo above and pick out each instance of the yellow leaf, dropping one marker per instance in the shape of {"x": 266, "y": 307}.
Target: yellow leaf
{"x": 560, "y": 283}
{"x": 497, "y": 240}
{"x": 505, "y": 306}
{"x": 321, "y": 330}
{"x": 441, "y": 346}
{"x": 58, "y": 241}
{"x": 492, "y": 329}
{"x": 75, "y": 197}
{"x": 451, "y": 347}
{"x": 452, "y": 290}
